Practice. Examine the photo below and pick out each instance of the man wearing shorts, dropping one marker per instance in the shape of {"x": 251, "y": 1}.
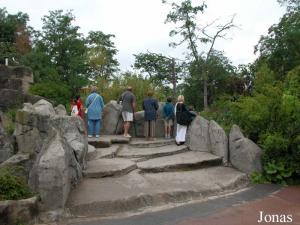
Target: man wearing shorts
{"x": 128, "y": 107}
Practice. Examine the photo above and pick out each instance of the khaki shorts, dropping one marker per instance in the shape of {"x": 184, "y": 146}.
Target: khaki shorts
{"x": 168, "y": 123}
{"x": 127, "y": 116}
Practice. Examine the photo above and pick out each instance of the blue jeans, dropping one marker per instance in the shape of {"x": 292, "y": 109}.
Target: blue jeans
{"x": 94, "y": 127}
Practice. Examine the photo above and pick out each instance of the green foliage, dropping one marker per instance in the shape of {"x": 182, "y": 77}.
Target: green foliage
{"x": 9, "y": 121}
{"x": 112, "y": 90}
{"x": 101, "y": 54}
{"x": 58, "y": 93}
{"x": 277, "y": 172}
{"x": 12, "y": 187}
{"x": 14, "y": 36}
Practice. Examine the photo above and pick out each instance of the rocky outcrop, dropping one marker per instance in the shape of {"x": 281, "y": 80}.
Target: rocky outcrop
{"x": 245, "y": 155}
{"x": 57, "y": 148}
{"x": 60, "y": 110}
{"x": 6, "y": 143}
{"x": 198, "y": 136}
{"x": 18, "y": 211}
{"x": 14, "y": 86}
{"x": 112, "y": 121}
{"x": 218, "y": 141}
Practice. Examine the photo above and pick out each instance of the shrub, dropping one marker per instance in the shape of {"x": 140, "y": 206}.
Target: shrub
{"x": 57, "y": 92}
{"x": 12, "y": 187}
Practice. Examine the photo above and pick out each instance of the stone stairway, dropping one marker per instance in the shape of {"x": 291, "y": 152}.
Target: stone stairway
{"x": 126, "y": 176}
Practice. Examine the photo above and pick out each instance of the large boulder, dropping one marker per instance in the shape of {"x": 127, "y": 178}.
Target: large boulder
{"x": 218, "y": 141}
{"x": 60, "y": 110}
{"x": 44, "y": 107}
{"x": 198, "y": 136}
{"x": 112, "y": 118}
{"x": 57, "y": 147}
{"x": 54, "y": 173}
{"x": 245, "y": 155}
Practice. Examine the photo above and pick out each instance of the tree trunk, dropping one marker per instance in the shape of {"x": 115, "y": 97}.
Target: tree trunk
{"x": 205, "y": 94}
{"x": 174, "y": 81}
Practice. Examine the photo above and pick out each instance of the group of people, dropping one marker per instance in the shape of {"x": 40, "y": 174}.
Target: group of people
{"x": 171, "y": 113}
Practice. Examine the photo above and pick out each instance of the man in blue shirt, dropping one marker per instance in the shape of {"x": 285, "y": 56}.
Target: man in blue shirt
{"x": 94, "y": 104}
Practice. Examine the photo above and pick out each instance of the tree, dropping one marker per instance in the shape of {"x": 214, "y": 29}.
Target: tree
{"x": 101, "y": 55}
{"x": 14, "y": 36}
{"x": 280, "y": 48}
{"x": 61, "y": 49}
{"x": 160, "y": 69}
{"x": 186, "y": 15}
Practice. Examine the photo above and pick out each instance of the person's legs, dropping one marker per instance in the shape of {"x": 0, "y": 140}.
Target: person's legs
{"x": 127, "y": 117}
{"x": 97, "y": 127}
{"x": 166, "y": 128}
{"x": 152, "y": 128}
{"x": 90, "y": 128}
{"x": 146, "y": 129}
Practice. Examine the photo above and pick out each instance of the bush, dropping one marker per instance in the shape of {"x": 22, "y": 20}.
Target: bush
{"x": 57, "y": 92}
{"x": 13, "y": 187}
{"x": 9, "y": 120}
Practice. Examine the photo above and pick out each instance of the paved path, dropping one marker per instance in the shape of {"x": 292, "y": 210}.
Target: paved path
{"x": 239, "y": 209}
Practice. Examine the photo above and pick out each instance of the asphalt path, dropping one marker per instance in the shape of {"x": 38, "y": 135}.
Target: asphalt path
{"x": 244, "y": 208}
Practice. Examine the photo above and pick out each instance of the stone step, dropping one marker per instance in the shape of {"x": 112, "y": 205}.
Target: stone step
{"x": 183, "y": 161}
{"x": 135, "y": 191}
{"x": 108, "y": 167}
{"x": 98, "y": 153}
{"x": 105, "y": 141}
{"x": 143, "y": 143}
{"x": 148, "y": 153}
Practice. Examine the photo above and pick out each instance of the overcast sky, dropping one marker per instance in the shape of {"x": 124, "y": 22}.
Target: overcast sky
{"x": 139, "y": 24}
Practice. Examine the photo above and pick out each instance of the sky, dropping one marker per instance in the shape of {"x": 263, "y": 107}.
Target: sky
{"x": 138, "y": 25}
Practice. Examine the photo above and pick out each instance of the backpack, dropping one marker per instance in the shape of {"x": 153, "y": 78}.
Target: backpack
{"x": 183, "y": 117}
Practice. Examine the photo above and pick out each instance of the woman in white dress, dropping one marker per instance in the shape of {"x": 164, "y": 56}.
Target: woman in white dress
{"x": 181, "y": 129}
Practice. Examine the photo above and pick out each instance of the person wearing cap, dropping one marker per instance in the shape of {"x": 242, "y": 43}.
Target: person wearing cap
{"x": 94, "y": 105}
{"x": 128, "y": 101}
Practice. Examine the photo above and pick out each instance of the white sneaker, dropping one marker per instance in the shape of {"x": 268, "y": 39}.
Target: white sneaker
{"x": 97, "y": 136}
{"x": 127, "y": 136}
{"x": 90, "y": 136}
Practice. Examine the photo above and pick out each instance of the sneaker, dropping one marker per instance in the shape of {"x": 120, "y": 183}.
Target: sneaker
{"x": 97, "y": 136}
{"x": 90, "y": 136}
{"x": 127, "y": 136}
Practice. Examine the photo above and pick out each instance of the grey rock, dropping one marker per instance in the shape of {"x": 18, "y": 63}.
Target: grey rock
{"x": 108, "y": 167}
{"x": 44, "y": 107}
{"x": 60, "y": 110}
{"x": 143, "y": 143}
{"x": 112, "y": 118}
{"x": 54, "y": 174}
{"x": 218, "y": 141}
{"x": 135, "y": 191}
{"x": 183, "y": 161}
{"x": 16, "y": 211}
{"x": 198, "y": 136}
{"x": 245, "y": 155}
{"x": 151, "y": 152}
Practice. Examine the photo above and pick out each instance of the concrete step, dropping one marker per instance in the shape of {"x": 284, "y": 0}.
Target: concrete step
{"x": 148, "y": 153}
{"x": 108, "y": 167}
{"x": 135, "y": 191}
{"x": 182, "y": 161}
{"x": 105, "y": 141}
{"x": 143, "y": 143}
{"x": 98, "y": 153}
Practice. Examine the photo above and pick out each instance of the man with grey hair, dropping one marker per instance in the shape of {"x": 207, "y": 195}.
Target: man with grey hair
{"x": 128, "y": 100}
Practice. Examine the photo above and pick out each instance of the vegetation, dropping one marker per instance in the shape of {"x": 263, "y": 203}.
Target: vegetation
{"x": 263, "y": 97}
{"x": 12, "y": 186}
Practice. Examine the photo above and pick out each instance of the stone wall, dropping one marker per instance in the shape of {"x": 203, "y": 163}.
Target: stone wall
{"x": 14, "y": 86}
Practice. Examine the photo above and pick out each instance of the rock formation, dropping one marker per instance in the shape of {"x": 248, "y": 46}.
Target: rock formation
{"x": 245, "y": 155}
{"x": 56, "y": 148}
